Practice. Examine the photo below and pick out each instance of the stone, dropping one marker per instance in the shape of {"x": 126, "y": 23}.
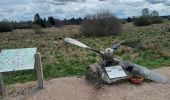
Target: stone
{"x": 96, "y": 75}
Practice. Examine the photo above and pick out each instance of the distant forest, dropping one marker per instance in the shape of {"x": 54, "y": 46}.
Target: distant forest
{"x": 53, "y": 22}
{"x": 43, "y": 22}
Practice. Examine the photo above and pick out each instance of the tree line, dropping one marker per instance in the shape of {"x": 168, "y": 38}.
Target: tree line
{"x": 146, "y": 13}
{"x": 51, "y": 21}
{"x": 146, "y": 18}
{"x": 6, "y": 25}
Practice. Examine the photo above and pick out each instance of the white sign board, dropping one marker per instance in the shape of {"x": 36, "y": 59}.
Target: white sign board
{"x": 17, "y": 59}
{"x": 115, "y": 71}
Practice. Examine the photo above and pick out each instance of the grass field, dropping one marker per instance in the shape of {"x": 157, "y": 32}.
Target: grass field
{"x": 61, "y": 60}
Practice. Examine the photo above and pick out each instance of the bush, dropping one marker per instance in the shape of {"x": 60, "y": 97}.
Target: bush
{"x": 156, "y": 19}
{"x": 147, "y": 20}
{"x": 102, "y": 24}
{"x": 5, "y": 27}
{"x": 37, "y": 29}
{"x": 142, "y": 21}
{"x": 22, "y": 26}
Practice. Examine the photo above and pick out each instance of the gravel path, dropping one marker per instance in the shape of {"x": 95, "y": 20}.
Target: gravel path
{"x": 72, "y": 88}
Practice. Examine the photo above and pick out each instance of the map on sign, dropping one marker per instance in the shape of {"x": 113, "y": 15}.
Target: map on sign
{"x": 17, "y": 59}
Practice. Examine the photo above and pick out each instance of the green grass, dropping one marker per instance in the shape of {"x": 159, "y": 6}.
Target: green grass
{"x": 19, "y": 76}
{"x": 152, "y": 59}
{"x": 60, "y": 60}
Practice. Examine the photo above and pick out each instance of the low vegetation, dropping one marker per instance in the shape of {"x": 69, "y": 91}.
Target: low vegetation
{"x": 102, "y": 24}
{"x": 5, "y": 27}
{"x": 156, "y": 20}
{"x": 147, "y": 46}
{"x": 142, "y": 21}
{"x": 22, "y": 25}
{"x": 37, "y": 29}
{"x": 147, "y": 20}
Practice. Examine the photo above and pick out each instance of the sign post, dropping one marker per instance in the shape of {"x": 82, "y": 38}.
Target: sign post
{"x": 39, "y": 70}
{"x": 2, "y": 87}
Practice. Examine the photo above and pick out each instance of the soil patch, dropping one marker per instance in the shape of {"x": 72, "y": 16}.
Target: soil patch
{"x": 73, "y": 88}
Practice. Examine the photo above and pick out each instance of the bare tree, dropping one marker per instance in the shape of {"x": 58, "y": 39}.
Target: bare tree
{"x": 154, "y": 13}
{"x": 145, "y": 12}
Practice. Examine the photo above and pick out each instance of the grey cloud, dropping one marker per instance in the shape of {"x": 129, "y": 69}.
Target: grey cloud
{"x": 5, "y": 12}
{"x": 164, "y": 2}
{"x": 60, "y": 2}
{"x": 167, "y": 3}
{"x": 26, "y": 9}
{"x": 156, "y": 1}
{"x": 8, "y": 10}
{"x": 53, "y": 2}
{"x": 102, "y": 0}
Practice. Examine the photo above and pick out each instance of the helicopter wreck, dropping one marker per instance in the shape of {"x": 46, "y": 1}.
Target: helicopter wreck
{"x": 111, "y": 69}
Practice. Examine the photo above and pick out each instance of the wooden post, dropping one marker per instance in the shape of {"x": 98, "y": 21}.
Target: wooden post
{"x": 66, "y": 48}
{"x": 39, "y": 70}
{"x": 2, "y": 87}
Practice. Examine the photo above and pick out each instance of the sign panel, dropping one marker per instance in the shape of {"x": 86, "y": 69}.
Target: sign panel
{"x": 115, "y": 71}
{"x": 17, "y": 59}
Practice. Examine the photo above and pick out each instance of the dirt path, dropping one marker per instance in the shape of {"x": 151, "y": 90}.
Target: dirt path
{"x": 72, "y": 88}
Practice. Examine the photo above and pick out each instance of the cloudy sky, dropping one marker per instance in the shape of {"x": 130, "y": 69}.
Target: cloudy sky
{"x": 26, "y": 9}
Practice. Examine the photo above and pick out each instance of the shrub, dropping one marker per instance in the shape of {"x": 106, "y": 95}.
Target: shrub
{"x": 22, "y": 26}
{"x": 129, "y": 19}
{"x": 5, "y": 27}
{"x": 37, "y": 29}
{"x": 142, "y": 21}
{"x": 156, "y": 19}
{"x": 101, "y": 25}
{"x": 123, "y": 21}
{"x": 147, "y": 20}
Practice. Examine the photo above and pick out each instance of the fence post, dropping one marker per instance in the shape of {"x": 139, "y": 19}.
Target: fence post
{"x": 38, "y": 66}
{"x": 2, "y": 87}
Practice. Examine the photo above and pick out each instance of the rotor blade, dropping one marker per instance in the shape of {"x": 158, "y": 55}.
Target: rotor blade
{"x": 154, "y": 76}
{"x": 115, "y": 46}
{"x": 77, "y": 43}
{"x": 149, "y": 74}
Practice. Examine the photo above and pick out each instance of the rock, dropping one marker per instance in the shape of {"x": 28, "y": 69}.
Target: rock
{"x": 93, "y": 75}
{"x": 97, "y": 76}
